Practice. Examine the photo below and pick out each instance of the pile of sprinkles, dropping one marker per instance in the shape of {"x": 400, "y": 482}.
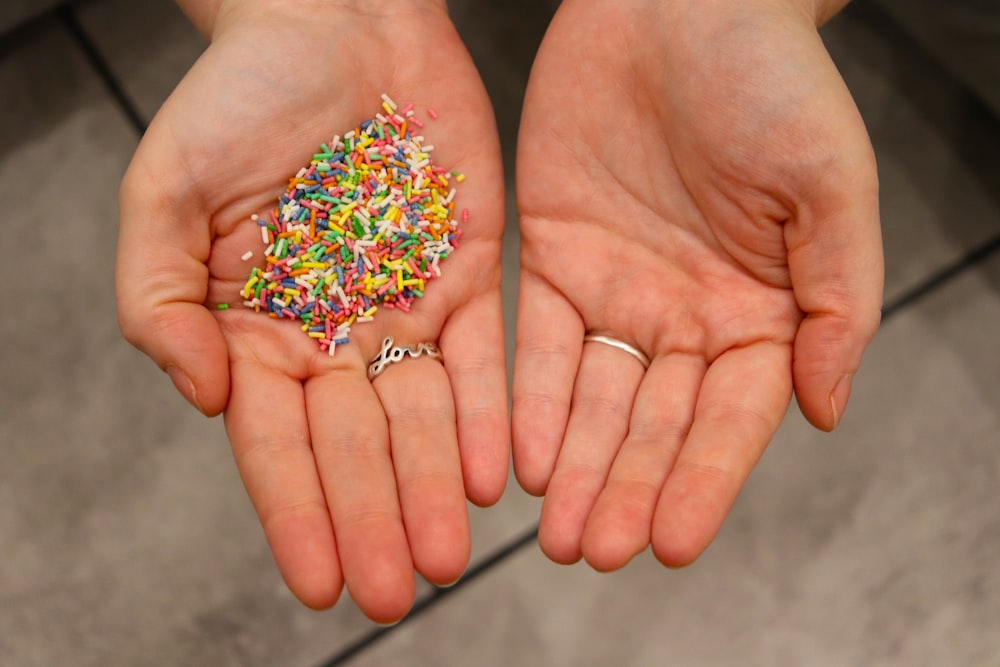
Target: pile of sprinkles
{"x": 365, "y": 225}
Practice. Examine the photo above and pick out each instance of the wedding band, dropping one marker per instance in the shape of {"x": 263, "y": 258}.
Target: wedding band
{"x": 621, "y": 345}
{"x": 393, "y": 354}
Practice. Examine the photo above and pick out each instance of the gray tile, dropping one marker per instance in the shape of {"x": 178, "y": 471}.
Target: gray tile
{"x": 494, "y": 527}
{"x": 127, "y": 536}
{"x": 148, "y": 45}
{"x": 936, "y": 146}
{"x": 502, "y": 37}
{"x": 874, "y": 545}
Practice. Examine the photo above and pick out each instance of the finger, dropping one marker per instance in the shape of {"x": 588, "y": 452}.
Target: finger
{"x": 546, "y": 358}
{"x": 417, "y": 399}
{"x": 266, "y": 422}
{"x": 742, "y": 400}
{"x": 619, "y": 526}
{"x": 836, "y": 267}
{"x": 602, "y": 402}
{"x": 161, "y": 284}
{"x": 351, "y": 443}
{"x": 473, "y": 346}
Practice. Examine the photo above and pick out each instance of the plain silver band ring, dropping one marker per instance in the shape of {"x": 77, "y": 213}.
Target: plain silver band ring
{"x": 393, "y": 354}
{"x": 621, "y": 345}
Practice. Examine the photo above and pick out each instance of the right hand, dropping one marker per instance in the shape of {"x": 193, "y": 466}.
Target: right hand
{"x": 353, "y": 481}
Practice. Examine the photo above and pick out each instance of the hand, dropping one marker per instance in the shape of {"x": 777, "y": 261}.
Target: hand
{"x": 353, "y": 481}
{"x": 693, "y": 178}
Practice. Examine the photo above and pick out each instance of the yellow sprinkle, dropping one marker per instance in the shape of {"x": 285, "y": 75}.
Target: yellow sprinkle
{"x": 315, "y": 334}
{"x": 460, "y": 178}
{"x": 248, "y": 288}
{"x": 399, "y": 280}
{"x": 290, "y": 292}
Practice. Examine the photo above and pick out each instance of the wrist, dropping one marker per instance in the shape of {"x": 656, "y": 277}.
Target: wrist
{"x": 211, "y": 16}
{"x": 824, "y": 10}
{"x": 201, "y": 13}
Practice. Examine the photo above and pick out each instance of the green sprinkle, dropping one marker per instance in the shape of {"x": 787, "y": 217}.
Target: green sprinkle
{"x": 223, "y": 306}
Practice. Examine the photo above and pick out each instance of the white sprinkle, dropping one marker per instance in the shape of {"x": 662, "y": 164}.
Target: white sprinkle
{"x": 263, "y": 237}
{"x": 247, "y": 255}
{"x": 388, "y": 100}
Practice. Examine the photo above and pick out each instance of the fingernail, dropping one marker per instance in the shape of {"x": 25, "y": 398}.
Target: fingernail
{"x": 184, "y": 386}
{"x": 838, "y": 398}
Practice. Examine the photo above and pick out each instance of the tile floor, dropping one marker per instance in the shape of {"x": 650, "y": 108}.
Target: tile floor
{"x": 127, "y": 538}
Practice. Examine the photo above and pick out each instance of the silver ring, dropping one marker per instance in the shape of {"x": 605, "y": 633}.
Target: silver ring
{"x": 621, "y": 345}
{"x": 392, "y": 354}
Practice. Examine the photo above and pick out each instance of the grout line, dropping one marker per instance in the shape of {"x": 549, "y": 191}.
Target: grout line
{"x": 942, "y": 276}
{"x": 101, "y": 66}
{"x": 439, "y": 594}
{"x": 931, "y": 284}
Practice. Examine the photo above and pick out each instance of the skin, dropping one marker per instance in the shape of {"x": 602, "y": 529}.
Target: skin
{"x": 694, "y": 179}
{"x": 354, "y": 481}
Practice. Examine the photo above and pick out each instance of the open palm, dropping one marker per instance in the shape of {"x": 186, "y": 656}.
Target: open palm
{"x": 353, "y": 480}
{"x": 697, "y": 183}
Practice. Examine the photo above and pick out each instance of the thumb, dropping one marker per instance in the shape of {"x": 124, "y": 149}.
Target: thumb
{"x": 836, "y": 267}
{"x": 162, "y": 283}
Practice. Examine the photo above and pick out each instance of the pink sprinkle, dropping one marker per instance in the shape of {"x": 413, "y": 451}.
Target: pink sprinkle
{"x": 433, "y": 114}
{"x": 465, "y": 215}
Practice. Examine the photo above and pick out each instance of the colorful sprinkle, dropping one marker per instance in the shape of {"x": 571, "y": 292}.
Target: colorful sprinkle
{"x": 364, "y": 226}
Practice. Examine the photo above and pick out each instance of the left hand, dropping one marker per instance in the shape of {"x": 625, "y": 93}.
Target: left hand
{"x": 695, "y": 179}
